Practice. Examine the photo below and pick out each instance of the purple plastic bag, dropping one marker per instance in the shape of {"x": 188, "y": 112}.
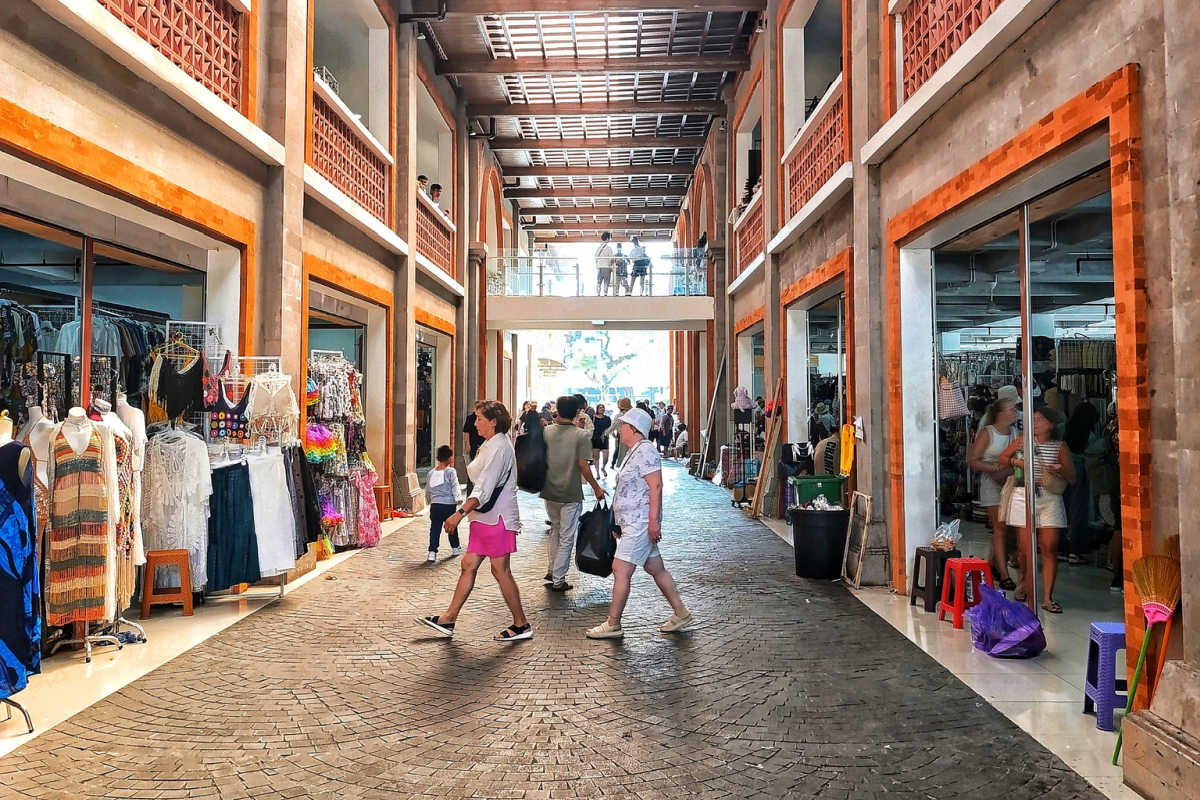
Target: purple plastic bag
{"x": 1004, "y": 628}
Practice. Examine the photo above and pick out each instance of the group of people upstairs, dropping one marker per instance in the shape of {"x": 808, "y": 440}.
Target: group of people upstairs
{"x": 432, "y": 192}
{"x": 577, "y": 452}
{"x": 619, "y": 271}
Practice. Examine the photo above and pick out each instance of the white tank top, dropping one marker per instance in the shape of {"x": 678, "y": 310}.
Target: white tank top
{"x": 997, "y": 442}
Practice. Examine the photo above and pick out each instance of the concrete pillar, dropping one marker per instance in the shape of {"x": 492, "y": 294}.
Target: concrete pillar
{"x": 772, "y": 329}
{"x": 722, "y": 341}
{"x": 867, "y": 278}
{"x": 280, "y": 253}
{"x": 1162, "y": 761}
{"x": 464, "y": 311}
{"x": 476, "y": 326}
{"x": 406, "y": 488}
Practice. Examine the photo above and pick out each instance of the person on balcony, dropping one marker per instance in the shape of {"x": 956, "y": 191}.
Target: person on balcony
{"x": 435, "y": 196}
{"x": 423, "y": 184}
{"x": 621, "y": 265}
{"x": 604, "y": 264}
{"x": 641, "y": 265}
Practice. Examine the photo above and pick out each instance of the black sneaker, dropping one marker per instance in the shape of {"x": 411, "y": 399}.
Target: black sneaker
{"x": 560, "y": 587}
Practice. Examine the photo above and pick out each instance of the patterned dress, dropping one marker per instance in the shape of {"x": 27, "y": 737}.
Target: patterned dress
{"x": 20, "y": 608}
{"x": 78, "y": 546}
{"x": 369, "y": 528}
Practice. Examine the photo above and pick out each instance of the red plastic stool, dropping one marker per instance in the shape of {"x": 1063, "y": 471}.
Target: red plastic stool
{"x": 954, "y": 592}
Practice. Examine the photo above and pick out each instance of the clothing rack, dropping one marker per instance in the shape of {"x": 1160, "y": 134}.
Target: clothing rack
{"x": 10, "y": 704}
{"x": 202, "y": 335}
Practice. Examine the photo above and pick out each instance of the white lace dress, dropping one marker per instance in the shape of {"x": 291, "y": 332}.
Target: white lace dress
{"x": 176, "y": 487}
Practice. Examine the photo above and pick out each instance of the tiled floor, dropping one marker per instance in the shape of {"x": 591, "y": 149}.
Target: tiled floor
{"x": 68, "y": 685}
{"x": 1044, "y": 695}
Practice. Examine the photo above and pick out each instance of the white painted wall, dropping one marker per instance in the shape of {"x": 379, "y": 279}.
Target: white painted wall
{"x": 918, "y": 406}
{"x": 350, "y": 38}
{"x": 797, "y": 373}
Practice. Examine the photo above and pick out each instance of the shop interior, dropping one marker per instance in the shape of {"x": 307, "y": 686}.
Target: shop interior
{"x": 977, "y": 318}
{"x": 433, "y": 422}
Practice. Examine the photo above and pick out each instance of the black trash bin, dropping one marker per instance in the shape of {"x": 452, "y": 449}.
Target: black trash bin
{"x": 819, "y": 541}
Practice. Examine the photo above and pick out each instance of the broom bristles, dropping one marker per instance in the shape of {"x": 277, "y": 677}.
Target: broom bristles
{"x": 1157, "y": 581}
{"x": 1171, "y": 547}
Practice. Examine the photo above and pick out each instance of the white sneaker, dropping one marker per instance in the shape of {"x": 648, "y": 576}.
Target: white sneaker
{"x": 432, "y": 557}
{"x": 456, "y": 551}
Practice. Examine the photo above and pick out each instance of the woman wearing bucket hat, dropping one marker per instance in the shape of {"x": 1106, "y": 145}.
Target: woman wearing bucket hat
{"x": 637, "y": 508}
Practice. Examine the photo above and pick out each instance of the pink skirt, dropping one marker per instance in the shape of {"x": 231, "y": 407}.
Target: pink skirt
{"x": 492, "y": 541}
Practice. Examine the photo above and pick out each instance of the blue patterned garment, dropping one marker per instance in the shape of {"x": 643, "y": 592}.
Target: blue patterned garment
{"x": 20, "y": 622}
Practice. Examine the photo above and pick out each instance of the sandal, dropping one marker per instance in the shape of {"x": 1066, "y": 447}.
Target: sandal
{"x": 605, "y": 631}
{"x": 1053, "y": 607}
{"x": 444, "y": 628}
{"x": 514, "y": 633}
{"x": 1020, "y": 595}
{"x": 1007, "y": 584}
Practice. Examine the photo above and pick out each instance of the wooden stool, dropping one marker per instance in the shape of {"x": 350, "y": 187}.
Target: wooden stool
{"x": 152, "y": 597}
{"x": 383, "y": 501}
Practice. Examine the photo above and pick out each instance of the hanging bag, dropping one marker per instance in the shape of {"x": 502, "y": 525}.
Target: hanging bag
{"x": 951, "y": 403}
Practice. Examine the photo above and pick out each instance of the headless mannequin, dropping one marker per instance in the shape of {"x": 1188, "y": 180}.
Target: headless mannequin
{"x": 77, "y": 428}
{"x": 6, "y": 436}
{"x": 38, "y": 433}
{"x": 135, "y": 421}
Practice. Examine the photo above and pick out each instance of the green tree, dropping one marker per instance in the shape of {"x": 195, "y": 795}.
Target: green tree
{"x": 596, "y": 357}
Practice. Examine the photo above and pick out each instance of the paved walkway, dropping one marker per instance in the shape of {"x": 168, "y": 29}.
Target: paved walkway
{"x": 789, "y": 689}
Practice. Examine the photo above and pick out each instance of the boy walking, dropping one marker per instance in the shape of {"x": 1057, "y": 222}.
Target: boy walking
{"x": 568, "y": 449}
{"x": 444, "y": 496}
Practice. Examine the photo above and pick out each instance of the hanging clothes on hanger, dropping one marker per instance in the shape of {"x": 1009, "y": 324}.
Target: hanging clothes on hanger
{"x": 175, "y": 501}
{"x": 274, "y": 522}
{"x": 232, "y": 554}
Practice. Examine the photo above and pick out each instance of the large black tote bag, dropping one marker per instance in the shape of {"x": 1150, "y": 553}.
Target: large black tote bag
{"x": 595, "y": 546}
{"x": 531, "y": 460}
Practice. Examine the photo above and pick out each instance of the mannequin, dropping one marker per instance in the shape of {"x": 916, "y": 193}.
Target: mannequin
{"x": 77, "y": 428}
{"x": 6, "y": 437}
{"x": 38, "y": 432}
{"x": 135, "y": 421}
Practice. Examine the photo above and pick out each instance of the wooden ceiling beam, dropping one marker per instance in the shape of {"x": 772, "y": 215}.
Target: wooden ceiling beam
{"x": 598, "y": 108}
{"x": 601, "y": 192}
{"x": 615, "y": 143}
{"x": 487, "y": 8}
{"x": 600, "y": 226}
{"x": 599, "y": 172}
{"x": 568, "y": 65}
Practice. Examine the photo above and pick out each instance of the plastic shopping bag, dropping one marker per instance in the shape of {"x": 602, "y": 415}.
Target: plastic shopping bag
{"x": 1004, "y": 628}
{"x": 595, "y": 545}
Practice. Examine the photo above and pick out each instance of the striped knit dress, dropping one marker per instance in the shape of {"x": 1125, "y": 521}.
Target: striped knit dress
{"x": 77, "y": 542}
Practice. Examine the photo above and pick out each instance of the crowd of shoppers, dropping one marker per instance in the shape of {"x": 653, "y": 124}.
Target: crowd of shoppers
{"x": 581, "y": 444}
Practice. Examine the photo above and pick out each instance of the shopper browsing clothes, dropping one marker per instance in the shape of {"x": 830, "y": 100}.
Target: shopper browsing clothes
{"x": 568, "y": 448}
{"x": 1052, "y": 471}
{"x": 494, "y": 522}
{"x": 637, "y": 508}
{"x": 444, "y": 494}
{"x": 999, "y": 428}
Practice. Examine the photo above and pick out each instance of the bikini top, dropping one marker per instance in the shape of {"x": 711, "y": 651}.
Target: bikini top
{"x": 271, "y": 395}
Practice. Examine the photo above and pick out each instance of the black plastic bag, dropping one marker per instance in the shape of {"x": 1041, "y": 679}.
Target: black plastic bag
{"x": 531, "y": 460}
{"x": 595, "y": 545}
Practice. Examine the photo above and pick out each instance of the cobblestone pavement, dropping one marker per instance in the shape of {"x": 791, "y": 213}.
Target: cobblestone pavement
{"x": 790, "y": 688}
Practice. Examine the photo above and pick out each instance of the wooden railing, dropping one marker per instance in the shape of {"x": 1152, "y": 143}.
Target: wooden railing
{"x": 204, "y": 38}
{"x": 435, "y": 235}
{"x": 346, "y": 154}
{"x": 748, "y": 232}
{"x": 817, "y": 151}
{"x": 931, "y": 30}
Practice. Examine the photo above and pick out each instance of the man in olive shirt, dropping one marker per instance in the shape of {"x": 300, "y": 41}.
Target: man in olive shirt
{"x": 568, "y": 449}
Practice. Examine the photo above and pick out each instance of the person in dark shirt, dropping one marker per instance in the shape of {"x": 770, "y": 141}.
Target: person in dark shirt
{"x": 473, "y": 441}
{"x": 601, "y": 424}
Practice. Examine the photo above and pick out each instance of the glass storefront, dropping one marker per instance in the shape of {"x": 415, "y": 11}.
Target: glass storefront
{"x": 1024, "y": 325}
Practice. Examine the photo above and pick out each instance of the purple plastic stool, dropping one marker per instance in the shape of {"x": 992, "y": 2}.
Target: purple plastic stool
{"x": 1102, "y": 689}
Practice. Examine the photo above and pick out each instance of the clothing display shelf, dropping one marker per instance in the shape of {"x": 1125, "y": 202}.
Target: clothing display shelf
{"x": 273, "y": 430}
{"x": 204, "y": 336}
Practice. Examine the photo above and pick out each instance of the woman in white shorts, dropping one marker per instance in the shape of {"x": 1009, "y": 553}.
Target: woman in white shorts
{"x": 1052, "y": 460}
{"x": 637, "y": 508}
{"x": 983, "y": 457}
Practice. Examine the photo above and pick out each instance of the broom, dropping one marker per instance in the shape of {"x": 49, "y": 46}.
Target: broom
{"x": 1170, "y": 549}
{"x": 1157, "y": 581}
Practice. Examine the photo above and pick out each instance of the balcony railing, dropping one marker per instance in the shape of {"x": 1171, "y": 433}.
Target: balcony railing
{"x": 931, "y": 30}
{"x": 346, "y": 153}
{"x": 435, "y": 235}
{"x": 204, "y": 38}
{"x": 817, "y": 151}
{"x": 748, "y": 234}
{"x": 681, "y": 274}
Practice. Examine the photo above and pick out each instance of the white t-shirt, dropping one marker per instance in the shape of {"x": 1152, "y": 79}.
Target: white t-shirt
{"x": 604, "y": 256}
{"x": 682, "y": 439}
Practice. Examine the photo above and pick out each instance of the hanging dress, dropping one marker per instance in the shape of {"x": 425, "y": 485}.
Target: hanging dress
{"x": 20, "y": 625}
{"x": 77, "y": 550}
{"x": 369, "y": 528}
{"x": 274, "y": 522}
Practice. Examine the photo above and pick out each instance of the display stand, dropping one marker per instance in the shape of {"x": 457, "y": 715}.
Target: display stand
{"x": 9, "y": 705}
{"x": 774, "y": 429}
{"x": 741, "y": 466}
{"x": 707, "y": 443}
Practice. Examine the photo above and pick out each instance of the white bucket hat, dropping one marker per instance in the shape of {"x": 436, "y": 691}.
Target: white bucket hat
{"x": 638, "y": 419}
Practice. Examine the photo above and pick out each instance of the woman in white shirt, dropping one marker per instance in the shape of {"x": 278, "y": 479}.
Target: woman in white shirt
{"x": 494, "y": 522}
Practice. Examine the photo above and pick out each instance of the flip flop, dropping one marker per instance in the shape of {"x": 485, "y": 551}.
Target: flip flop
{"x": 1053, "y": 607}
